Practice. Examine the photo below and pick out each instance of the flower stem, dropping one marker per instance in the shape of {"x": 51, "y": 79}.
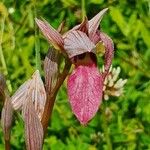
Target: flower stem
{"x": 2, "y": 58}
{"x": 7, "y": 145}
{"x": 37, "y": 43}
{"x": 106, "y": 130}
{"x": 52, "y": 96}
{"x": 83, "y": 9}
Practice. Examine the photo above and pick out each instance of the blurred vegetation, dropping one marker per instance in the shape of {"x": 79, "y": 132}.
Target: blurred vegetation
{"x": 122, "y": 123}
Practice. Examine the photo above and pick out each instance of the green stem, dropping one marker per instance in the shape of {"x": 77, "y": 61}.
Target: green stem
{"x": 1, "y": 51}
{"x": 83, "y": 9}
{"x": 37, "y": 44}
{"x": 106, "y": 130}
{"x": 2, "y": 58}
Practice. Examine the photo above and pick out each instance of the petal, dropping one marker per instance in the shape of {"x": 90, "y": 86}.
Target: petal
{"x": 77, "y": 42}
{"x": 109, "y": 51}
{"x": 85, "y": 92}
{"x": 53, "y": 36}
{"x": 94, "y": 23}
{"x": 36, "y": 87}
{"x": 95, "y": 38}
{"x": 84, "y": 26}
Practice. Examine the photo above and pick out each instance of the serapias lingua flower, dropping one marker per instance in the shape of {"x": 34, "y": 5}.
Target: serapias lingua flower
{"x": 85, "y": 84}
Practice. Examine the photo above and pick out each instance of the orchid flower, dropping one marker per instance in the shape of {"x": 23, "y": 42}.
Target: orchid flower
{"x": 85, "y": 84}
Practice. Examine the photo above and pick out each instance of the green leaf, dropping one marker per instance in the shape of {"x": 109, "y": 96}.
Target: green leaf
{"x": 97, "y": 1}
{"x": 145, "y": 33}
{"x": 119, "y": 19}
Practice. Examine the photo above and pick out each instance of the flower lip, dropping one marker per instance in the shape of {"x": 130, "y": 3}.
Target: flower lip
{"x": 85, "y": 92}
{"x": 85, "y": 59}
{"x": 81, "y": 56}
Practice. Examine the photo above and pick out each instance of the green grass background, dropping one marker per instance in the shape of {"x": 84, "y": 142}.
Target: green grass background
{"x": 127, "y": 125}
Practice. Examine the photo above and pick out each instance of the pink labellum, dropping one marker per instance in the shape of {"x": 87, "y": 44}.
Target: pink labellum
{"x": 94, "y": 23}
{"x": 53, "y": 36}
{"x": 109, "y": 51}
{"x": 76, "y": 43}
{"x": 85, "y": 92}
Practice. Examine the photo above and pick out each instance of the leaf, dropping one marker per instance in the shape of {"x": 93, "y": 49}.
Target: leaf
{"x": 3, "y": 9}
{"x": 51, "y": 70}
{"x": 136, "y": 30}
{"x": 53, "y": 36}
{"x": 97, "y": 1}
{"x": 69, "y": 3}
{"x": 7, "y": 117}
{"x": 77, "y": 42}
{"x": 118, "y": 18}
{"x": 33, "y": 127}
{"x": 85, "y": 92}
{"x": 38, "y": 94}
{"x": 145, "y": 34}
{"x": 132, "y": 21}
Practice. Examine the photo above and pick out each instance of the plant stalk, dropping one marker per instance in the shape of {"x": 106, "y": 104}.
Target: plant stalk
{"x": 52, "y": 96}
{"x": 83, "y": 9}
{"x": 106, "y": 130}
{"x": 1, "y": 51}
{"x": 7, "y": 145}
{"x": 2, "y": 58}
{"x": 37, "y": 43}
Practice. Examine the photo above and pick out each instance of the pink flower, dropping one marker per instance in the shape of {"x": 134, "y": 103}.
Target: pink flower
{"x": 85, "y": 84}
